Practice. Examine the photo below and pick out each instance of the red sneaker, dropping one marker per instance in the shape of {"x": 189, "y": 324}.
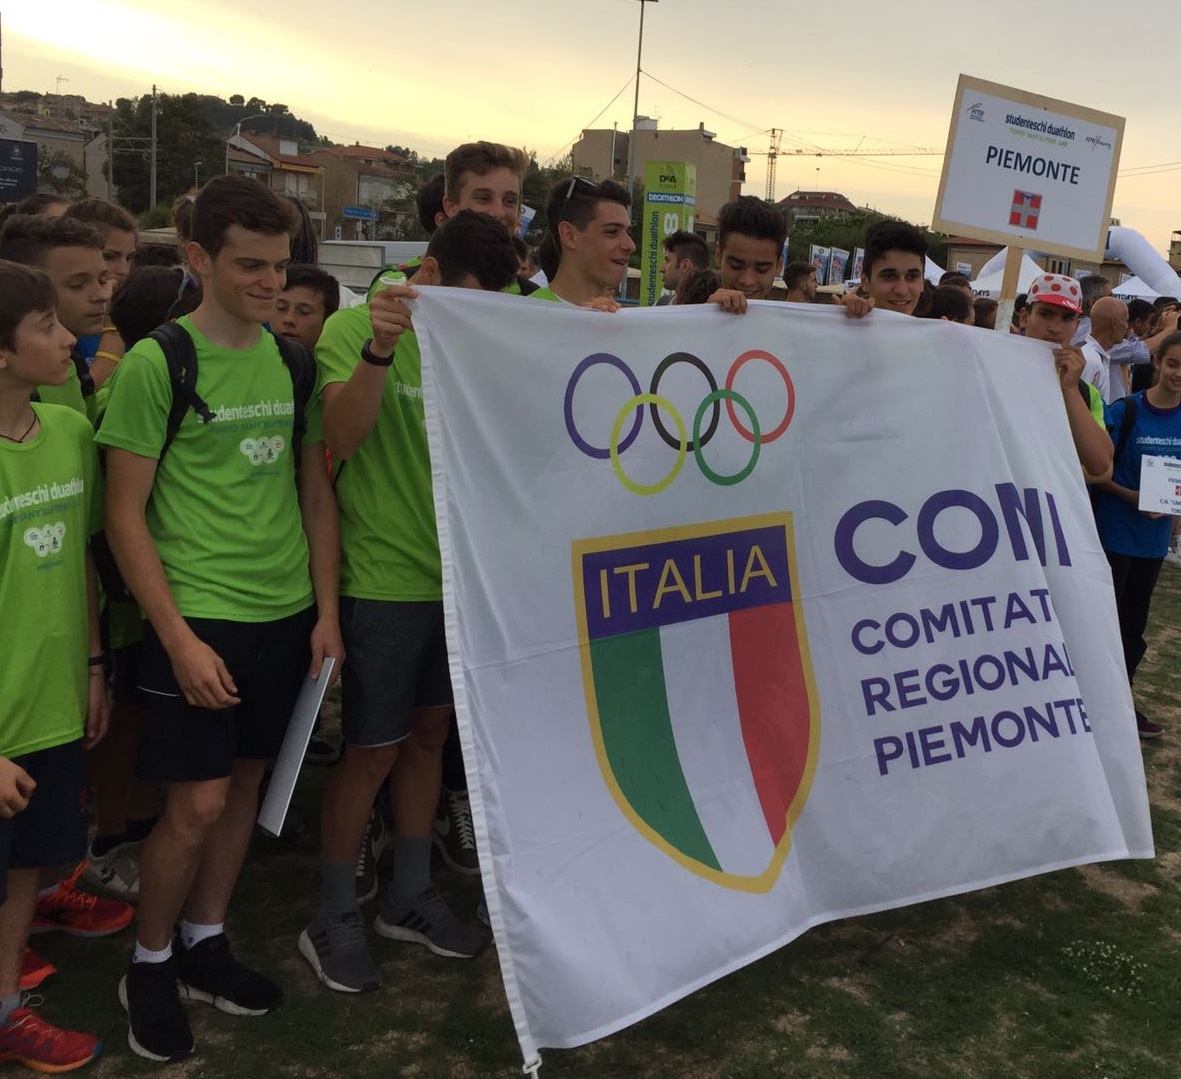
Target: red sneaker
{"x": 79, "y": 913}
{"x": 29, "y": 1040}
{"x": 34, "y": 970}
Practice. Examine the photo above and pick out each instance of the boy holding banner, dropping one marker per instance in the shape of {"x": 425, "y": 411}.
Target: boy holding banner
{"x": 1050, "y": 315}
{"x": 396, "y": 685}
{"x": 587, "y": 246}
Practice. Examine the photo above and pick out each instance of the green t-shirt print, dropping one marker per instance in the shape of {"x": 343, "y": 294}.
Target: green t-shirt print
{"x": 49, "y": 504}
{"x": 224, "y": 512}
{"x": 389, "y": 545}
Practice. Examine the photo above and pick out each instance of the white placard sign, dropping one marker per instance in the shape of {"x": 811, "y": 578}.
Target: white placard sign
{"x": 1028, "y": 170}
{"x": 1160, "y": 485}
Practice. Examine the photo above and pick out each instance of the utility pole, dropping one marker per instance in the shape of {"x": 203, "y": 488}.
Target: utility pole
{"x": 631, "y": 142}
{"x": 152, "y": 201}
{"x": 111, "y": 153}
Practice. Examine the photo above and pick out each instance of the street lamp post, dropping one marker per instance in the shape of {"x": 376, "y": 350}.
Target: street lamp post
{"x": 257, "y": 116}
{"x": 631, "y": 142}
{"x": 196, "y": 166}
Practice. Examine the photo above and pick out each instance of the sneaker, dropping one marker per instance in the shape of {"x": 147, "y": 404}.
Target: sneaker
{"x": 34, "y": 970}
{"x": 79, "y": 913}
{"x": 454, "y": 834}
{"x": 337, "y": 952}
{"x": 1146, "y": 728}
{"x": 30, "y": 1040}
{"x": 377, "y": 838}
{"x": 115, "y": 873}
{"x": 428, "y": 920}
{"x": 322, "y": 750}
{"x": 209, "y": 972}
{"x": 156, "y": 1025}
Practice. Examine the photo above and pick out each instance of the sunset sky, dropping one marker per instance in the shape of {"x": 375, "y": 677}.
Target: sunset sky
{"x": 535, "y": 72}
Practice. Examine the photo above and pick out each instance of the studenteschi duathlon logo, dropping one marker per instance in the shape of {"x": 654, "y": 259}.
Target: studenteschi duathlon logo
{"x": 700, "y": 620}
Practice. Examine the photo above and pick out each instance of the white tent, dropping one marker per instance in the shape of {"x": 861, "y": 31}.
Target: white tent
{"x": 933, "y": 271}
{"x": 990, "y": 284}
{"x": 1134, "y": 288}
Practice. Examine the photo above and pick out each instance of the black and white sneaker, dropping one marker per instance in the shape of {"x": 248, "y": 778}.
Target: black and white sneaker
{"x": 156, "y": 1025}
{"x": 338, "y": 954}
{"x": 454, "y": 834}
{"x": 428, "y": 920}
{"x": 209, "y": 972}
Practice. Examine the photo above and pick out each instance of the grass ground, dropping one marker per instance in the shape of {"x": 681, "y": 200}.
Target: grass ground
{"x": 1072, "y": 974}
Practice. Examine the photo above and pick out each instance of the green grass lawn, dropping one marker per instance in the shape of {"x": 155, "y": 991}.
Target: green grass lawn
{"x": 1072, "y": 974}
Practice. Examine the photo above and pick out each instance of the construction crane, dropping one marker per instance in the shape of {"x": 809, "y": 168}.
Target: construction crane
{"x": 775, "y": 152}
{"x": 772, "y": 154}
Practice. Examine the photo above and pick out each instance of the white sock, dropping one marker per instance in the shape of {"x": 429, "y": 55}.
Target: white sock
{"x": 146, "y": 955}
{"x": 191, "y": 935}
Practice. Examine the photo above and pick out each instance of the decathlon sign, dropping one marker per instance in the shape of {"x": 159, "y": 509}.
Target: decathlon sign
{"x": 1028, "y": 170}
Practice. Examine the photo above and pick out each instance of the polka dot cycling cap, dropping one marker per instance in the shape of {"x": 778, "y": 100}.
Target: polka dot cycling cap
{"x": 1059, "y": 289}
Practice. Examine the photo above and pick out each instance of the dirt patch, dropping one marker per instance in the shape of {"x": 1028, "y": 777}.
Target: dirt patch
{"x": 855, "y": 989}
{"x": 792, "y": 1023}
{"x": 1130, "y": 893}
{"x": 958, "y": 937}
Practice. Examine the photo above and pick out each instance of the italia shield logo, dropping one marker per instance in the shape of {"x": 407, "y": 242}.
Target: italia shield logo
{"x": 699, "y": 689}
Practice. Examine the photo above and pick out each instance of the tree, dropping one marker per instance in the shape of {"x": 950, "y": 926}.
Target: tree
{"x": 847, "y": 230}
{"x": 184, "y": 137}
{"x": 59, "y": 172}
{"x": 237, "y": 100}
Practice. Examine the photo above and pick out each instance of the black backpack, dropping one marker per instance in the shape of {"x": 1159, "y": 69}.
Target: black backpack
{"x": 180, "y": 356}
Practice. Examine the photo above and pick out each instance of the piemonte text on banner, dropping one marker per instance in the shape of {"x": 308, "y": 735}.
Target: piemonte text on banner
{"x": 757, "y": 622}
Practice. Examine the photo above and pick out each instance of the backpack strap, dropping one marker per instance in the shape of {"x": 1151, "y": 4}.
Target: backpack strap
{"x": 180, "y": 356}
{"x": 85, "y": 378}
{"x": 1126, "y": 423}
{"x": 302, "y": 368}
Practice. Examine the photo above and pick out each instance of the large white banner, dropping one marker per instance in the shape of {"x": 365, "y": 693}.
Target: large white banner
{"x": 757, "y": 622}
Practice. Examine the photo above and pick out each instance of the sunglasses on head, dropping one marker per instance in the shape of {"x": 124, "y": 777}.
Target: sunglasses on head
{"x": 582, "y": 184}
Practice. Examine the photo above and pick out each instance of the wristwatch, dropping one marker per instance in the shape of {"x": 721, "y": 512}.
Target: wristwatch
{"x": 377, "y": 361}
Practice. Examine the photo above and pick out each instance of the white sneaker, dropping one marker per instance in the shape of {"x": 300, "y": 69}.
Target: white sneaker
{"x": 116, "y": 873}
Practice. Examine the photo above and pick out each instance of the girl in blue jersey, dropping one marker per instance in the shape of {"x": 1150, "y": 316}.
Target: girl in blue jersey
{"x": 1136, "y": 541}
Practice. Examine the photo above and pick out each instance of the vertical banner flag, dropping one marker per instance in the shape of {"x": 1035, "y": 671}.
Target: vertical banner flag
{"x": 732, "y": 658}
{"x": 528, "y": 213}
{"x": 18, "y": 169}
{"x": 819, "y": 259}
{"x": 838, "y": 262}
{"x": 858, "y": 262}
{"x": 670, "y": 200}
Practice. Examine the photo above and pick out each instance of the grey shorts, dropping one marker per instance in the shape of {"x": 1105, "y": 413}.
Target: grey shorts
{"x": 395, "y": 662}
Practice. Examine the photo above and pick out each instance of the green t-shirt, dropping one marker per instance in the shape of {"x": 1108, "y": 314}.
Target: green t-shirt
{"x": 545, "y": 293}
{"x": 1095, "y": 404}
{"x": 69, "y": 393}
{"x": 49, "y": 505}
{"x": 389, "y": 548}
{"x": 223, "y": 512}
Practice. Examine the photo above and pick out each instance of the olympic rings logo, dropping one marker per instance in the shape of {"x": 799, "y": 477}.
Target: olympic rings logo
{"x": 683, "y": 441}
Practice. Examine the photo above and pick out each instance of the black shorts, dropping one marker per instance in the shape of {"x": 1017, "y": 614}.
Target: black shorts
{"x": 125, "y": 672}
{"x": 395, "y": 662}
{"x": 51, "y": 829}
{"x": 268, "y": 662}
